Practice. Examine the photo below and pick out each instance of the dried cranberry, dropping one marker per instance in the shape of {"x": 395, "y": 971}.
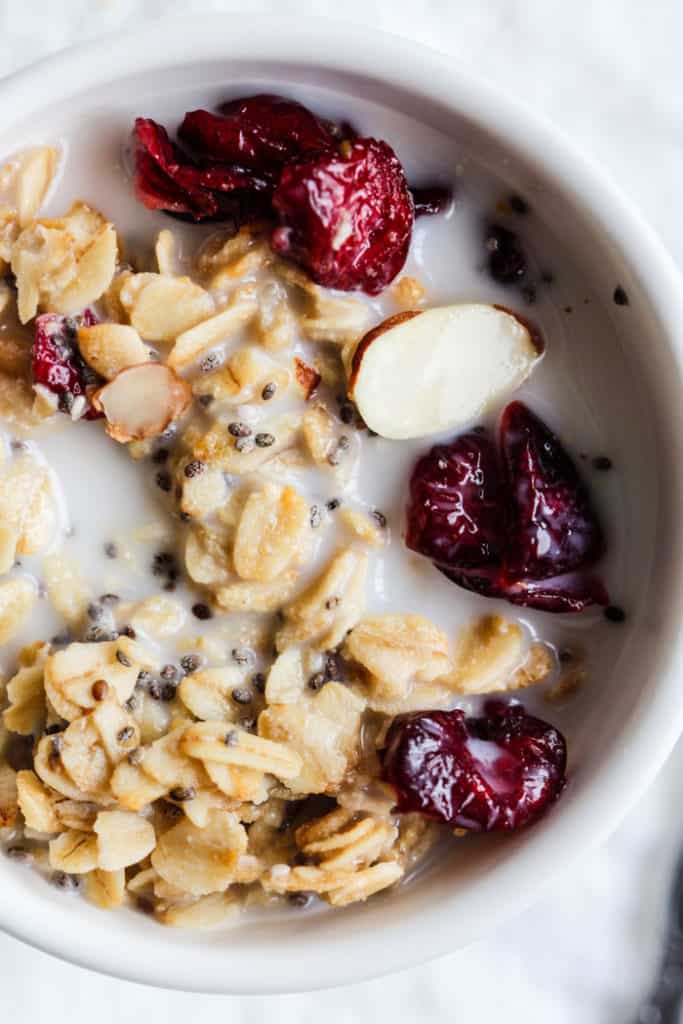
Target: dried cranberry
{"x": 506, "y": 258}
{"x": 497, "y": 772}
{"x": 167, "y": 179}
{"x": 552, "y": 528}
{"x": 431, "y": 200}
{"x": 263, "y": 132}
{"x": 521, "y": 527}
{"x": 57, "y": 363}
{"x": 453, "y": 512}
{"x": 571, "y": 593}
{"x": 158, "y": 164}
{"x": 346, "y": 216}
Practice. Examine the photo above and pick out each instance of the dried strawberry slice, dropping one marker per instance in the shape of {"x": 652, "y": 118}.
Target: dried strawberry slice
{"x": 346, "y": 216}
{"x": 497, "y": 772}
{"x": 263, "y": 132}
{"x": 58, "y": 366}
{"x": 453, "y": 510}
{"x": 552, "y": 528}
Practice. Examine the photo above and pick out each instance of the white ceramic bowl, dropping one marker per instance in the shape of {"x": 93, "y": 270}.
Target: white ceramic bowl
{"x": 630, "y": 725}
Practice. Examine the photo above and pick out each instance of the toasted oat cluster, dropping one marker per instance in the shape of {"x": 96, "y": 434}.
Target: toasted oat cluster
{"x": 184, "y": 774}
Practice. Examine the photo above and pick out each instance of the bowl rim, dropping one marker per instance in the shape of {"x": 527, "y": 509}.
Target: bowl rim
{"x": 401, "y": 64}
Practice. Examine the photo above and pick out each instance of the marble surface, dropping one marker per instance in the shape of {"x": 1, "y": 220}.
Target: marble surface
{"x": 611, "y": 76}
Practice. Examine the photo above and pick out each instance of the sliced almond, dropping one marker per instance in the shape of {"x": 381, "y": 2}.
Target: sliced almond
{"x": 110, "y": 348}
{"x": 421, "y": 372}
{"x": 141, "y": 401}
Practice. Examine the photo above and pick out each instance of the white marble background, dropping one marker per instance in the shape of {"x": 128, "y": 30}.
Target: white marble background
{"x": 610, "y": 73}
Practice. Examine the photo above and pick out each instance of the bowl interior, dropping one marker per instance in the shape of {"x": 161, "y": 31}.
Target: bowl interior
{"x": 610, "y": 381}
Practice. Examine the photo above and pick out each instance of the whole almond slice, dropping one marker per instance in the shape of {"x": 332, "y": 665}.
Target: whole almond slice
{"x": 418, "y": 373}
{"x": 142, "y": 400}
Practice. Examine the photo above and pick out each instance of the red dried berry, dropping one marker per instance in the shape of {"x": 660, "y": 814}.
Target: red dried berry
{"x": 262, "y": 132}
{"x": 497, "y": 772}
{"x": 506, "y": 257}
{"x": 57, "y": 363}
{"x": 552, "y": 528}
{"x": 431, "y": 200}
{"x": 571, "y": 593}
{"x": 453, "y": 510}
{"x": 167, "y": 179}
{"x": 346, "y": 217}
{"x": 520, "y": 528}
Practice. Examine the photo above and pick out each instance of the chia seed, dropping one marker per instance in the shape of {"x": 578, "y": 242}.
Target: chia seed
{"x": 160, "y": 456}
{"x": 110, "y": 549}
{"x": 333, "y": 504}
{"x": 194, "y": 468}
{"x": 379, "y": 517}
{"x": 231, "y": 738}
{"x": 205, "y": 400}
{"x": 181, "y": 793}
{"x": 155, "y": 689}
{"x": 201, "y": 611}
{"x": 169, "y": 674}
{"x": 620, "y": 296}
{"x": 316, "y": 517}
{"x": 210, "y": 362}
{"x": 347, "y": 412}
{"x": 123, "y": 659}
{"x": 264, "y": 440}
{"x": 190, "y": 662}
{"x": 268, "y": 391}
{"x": 518, "y": 205}
{"x": 242, "y": 655}
{"x": 239, "y": 429}
{"x": 68, "y": 883}
{"x": 241, "y": 695}
{"x": 144, "y": 678}
{"x": 317, "y": 681}
{"x": 332, "y": 602}
{"x": 129, "y": 632}
{"x": 125, "y": 735}
{"x": 94, "y": 612}
{"x": 258, "y": 681}
{"x": 163, "y": 481}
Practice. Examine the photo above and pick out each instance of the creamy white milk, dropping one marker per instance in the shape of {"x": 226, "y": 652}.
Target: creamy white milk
{"x": 108, "y": 496}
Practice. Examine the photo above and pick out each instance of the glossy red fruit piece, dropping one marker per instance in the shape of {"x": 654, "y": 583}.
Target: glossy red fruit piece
{"x": 432, "y": 199}
{"x": 158, "y": 167}
{"x": 58, "y": 365}
{"x": 262, "y": 132}
{"x": 572, "y": 593}
{"x": 497, "y": 772}
{"x": 167, "y": 179}
{"x": 454, "y": 504}
{"x": 346, "y": 216}
{"x": 552, "y": 528}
